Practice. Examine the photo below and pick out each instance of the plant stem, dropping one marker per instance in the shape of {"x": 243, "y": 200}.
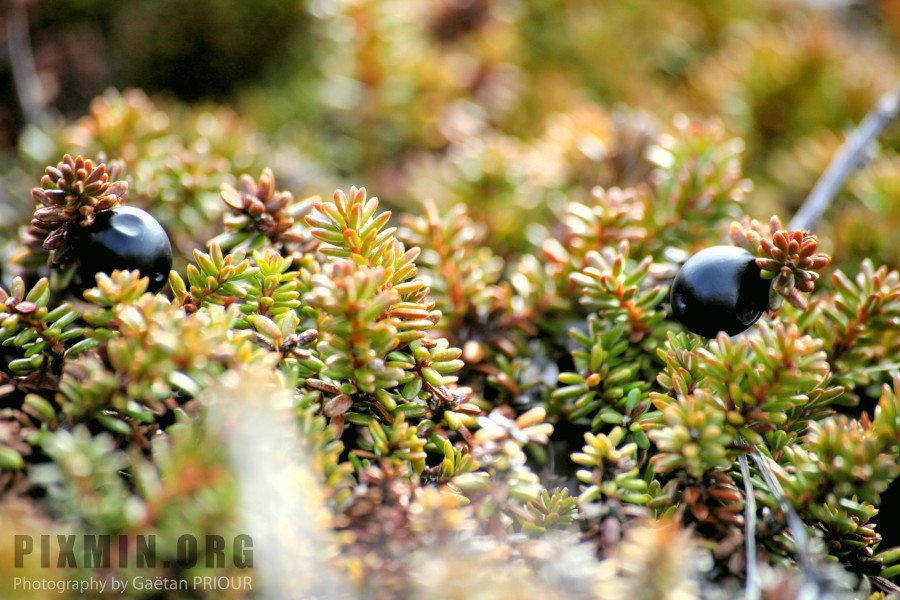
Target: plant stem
{"x": 794, "y": 522}
{"x": 848, "y": 157}
{"x": 752, "y": 587}
{"x": 21, "y": 58}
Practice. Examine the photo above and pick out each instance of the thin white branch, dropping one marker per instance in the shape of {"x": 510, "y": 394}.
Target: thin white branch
{"x": 752, "y": 589}
{"x": 21, "y": 58}
{"x": 850, "y": 155}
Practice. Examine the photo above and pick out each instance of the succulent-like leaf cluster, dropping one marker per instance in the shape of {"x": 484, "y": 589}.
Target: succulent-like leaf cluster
{"x": 29, "y": 324}
{"x": 340, "y": 311}
{"x": 457, "y": 401}
{"x": 616, "y": 294}
{"x": 857, "y": 323}
{"x": 835, "y": 477}
{"x": 153, "y": 355}
{"x": 698, "y": 183}
{"x": 503, "y": 483}
{"x": 788, "y": 258}
{"x": 158, "y": 498}
{"x": 260, "y": 213}
{"x": 458, "y": 269}
{"x": 71, "y": 193}
{"x": 373, "y": 314}
{"x": 216, "y": 278}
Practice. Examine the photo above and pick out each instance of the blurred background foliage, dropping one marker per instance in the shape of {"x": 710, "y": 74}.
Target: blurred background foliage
{"x": 511, "y": 106}
{"x": 540, "y": 151}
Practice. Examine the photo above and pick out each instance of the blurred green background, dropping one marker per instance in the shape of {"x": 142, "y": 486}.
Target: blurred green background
{"x": 511, "y": 106}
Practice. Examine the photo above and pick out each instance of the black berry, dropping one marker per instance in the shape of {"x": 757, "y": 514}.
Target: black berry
{"x": 124, "y": 238}
{"x": 719, "y": 289}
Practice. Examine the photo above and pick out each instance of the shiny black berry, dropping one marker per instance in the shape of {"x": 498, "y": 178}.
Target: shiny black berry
{"x": 123, "y": 238}
{"x": 719, "y": 289}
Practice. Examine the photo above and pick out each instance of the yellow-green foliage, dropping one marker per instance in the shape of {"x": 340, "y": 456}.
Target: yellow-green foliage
{"x": 477, "y": 386}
